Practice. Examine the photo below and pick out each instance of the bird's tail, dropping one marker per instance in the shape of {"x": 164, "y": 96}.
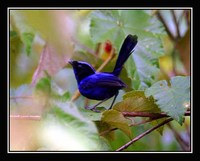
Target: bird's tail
{"x": 125, "y": 51}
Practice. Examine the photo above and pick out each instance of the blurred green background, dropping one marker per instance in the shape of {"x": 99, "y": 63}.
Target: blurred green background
{"x": 42, "y": 84}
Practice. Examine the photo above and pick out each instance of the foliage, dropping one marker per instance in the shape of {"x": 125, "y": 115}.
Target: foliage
{"x": 172, "y": 100}
{"x": 43, "y": 84}
{"x": 114, "y": 25}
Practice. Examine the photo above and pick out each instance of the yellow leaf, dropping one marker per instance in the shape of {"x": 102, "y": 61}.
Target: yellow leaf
{"x": 116, "y": 119}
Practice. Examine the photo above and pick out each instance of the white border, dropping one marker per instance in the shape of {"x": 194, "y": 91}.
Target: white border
{"x": 96, "y": 8}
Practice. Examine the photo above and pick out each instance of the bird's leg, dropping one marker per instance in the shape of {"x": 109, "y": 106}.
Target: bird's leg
{"x": 93, "y": 108}
{"x": 114, "y": 99}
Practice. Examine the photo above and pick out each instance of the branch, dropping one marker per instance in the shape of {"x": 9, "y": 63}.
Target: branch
{"x": 143, "y": 134}
{"x": 149, "y": 114}
{"x": 152, "y": 117}
{"x": 176, "y": 24}
{"x": 160, "y": 17}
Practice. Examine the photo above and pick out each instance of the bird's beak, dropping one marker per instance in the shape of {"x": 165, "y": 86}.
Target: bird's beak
{"x": 70, "y": 61}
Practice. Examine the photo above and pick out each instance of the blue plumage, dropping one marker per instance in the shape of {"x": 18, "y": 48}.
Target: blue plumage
{"x": 102, "y": 85}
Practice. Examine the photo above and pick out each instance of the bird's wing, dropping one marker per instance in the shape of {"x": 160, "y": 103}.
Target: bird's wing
{"x": 105, "y": 80}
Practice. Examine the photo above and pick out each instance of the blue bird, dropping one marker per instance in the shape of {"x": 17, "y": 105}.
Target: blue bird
{"x": 103, "y": 85}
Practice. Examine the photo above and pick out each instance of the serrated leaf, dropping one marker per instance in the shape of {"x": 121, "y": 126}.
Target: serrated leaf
{"x": 114, "y": 25}
{"x": 116, "y": 119}
{"x": 136, "y": 101}
{"x": 172, "y": 99}
{"x": 27, "y": 39}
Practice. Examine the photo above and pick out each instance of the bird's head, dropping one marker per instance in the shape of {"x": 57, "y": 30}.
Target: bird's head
{"x": 81, "y": 69}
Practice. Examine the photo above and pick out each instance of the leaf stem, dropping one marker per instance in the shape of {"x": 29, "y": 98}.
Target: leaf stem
{"x": 143, "y": 134}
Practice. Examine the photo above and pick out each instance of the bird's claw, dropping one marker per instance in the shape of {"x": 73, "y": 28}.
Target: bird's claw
{"x": 92, "y": 108}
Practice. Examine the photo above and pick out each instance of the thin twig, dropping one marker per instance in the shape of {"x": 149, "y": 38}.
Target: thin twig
{"x": 187, "y": 16}
{"x": 176, "y": 24}
{"x": 143, "y": 114}
{"x": 142, "y": 122}
{"x": 107, "y": 131}
{"x": 174, "y": 59}
{"x": 25, "y": 117}
{"x": 184, "y": 145}
{"x": 187, "y": 129}
{"x": 21, "y": 97}
{"x": 143, "y": 134}
{"x": 111, "y": 56}
{"x": 75, "y": 95}
{"x": 160, "y": 17}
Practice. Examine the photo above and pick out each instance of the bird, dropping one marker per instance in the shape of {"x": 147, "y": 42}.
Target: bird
{"x": 103, "y": 85}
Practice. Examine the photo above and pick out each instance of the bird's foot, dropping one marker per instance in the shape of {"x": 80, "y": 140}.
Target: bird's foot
{"x": 93, "y": 108}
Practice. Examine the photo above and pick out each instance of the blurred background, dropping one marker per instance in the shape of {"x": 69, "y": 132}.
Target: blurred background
{"x": 42, "y": 84}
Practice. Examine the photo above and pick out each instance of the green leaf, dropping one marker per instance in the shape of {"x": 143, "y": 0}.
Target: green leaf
{"x": 58, "y": 93}
{"x": 44, "y": 86}
{"x": 62, "y": 98}
{"x": 27, "y": 39}
{"x": 172, "y": 99}
{"x": 105, "y": 130}
{"x": 116, "y": 24}
{"x": 116, "y": 119}
{"x": 80, "y": 132}
{"x": 136, "y": 101}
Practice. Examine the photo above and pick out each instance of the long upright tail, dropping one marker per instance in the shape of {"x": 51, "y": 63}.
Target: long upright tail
{"x": 125, "y": 51}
